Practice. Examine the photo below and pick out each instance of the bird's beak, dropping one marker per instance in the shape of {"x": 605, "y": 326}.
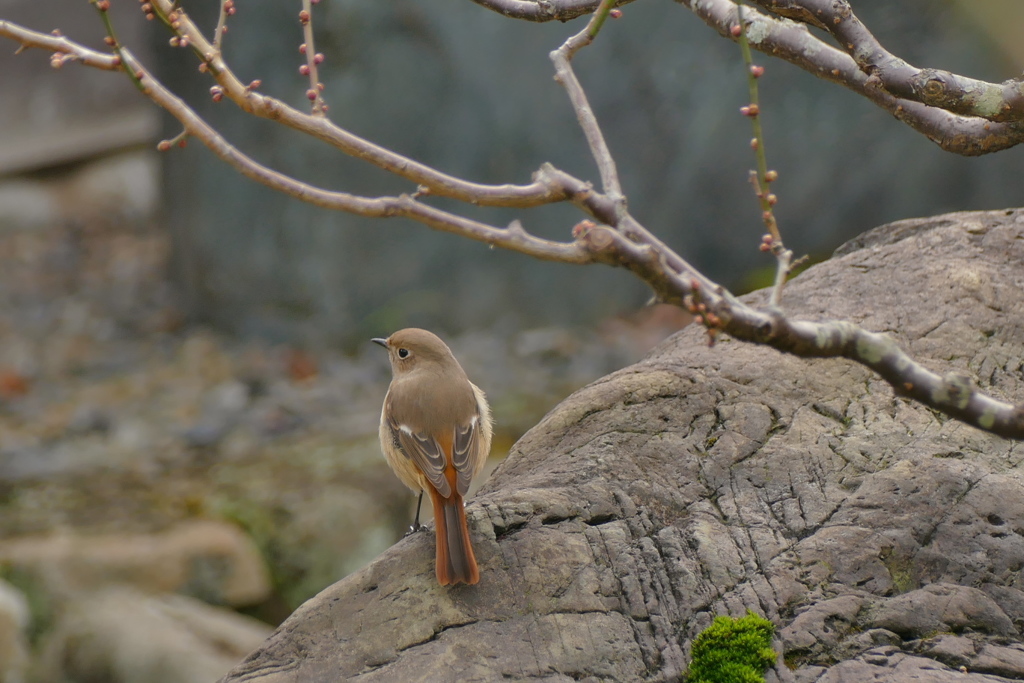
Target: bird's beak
{"x": 382, "y": 342}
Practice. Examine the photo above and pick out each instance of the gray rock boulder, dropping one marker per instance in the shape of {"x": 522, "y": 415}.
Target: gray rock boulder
{"x": 124, "y": 636}
{"x": 211, "y": 560}
{"x": 884, "y": 540}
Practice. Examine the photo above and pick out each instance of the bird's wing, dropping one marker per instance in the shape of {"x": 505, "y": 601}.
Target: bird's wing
{"x": 424, "y": 450}
{"x": 465, "y": 452}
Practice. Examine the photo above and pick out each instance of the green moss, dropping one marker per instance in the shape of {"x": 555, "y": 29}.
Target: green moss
{"x": 733, "y": 651}
{"x": 901, "y": 571}
{"x": 40, "y": 601}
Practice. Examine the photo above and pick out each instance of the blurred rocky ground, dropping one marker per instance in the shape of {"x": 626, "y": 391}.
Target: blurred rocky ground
{"x": 166, "y": 490}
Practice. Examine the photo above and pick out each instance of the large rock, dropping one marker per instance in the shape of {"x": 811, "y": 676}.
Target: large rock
{"x": 124, "y": 636}
{"x": 211, "y": 560}
{"x": 884, "y": 540}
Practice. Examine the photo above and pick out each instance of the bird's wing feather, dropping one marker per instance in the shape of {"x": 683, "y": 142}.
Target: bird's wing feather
{"x": 464, "y": 452}
{"x": 426, "y": 452}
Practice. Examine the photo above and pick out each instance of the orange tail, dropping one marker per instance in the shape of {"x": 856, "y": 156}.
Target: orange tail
{"x": 456, "y": 562}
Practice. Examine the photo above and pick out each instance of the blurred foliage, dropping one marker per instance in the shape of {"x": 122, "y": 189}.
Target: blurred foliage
{"x": 41, "y": 606}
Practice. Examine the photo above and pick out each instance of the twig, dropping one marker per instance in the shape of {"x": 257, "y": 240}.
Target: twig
{"x": 438, "y": 183}
{"x": 999, "y": 102}
{"x": 546, "y": 10}
{"x": 952, "y": 394}
{"x": 379, "y": 207}
{"x": 753, "y": 112}
{"x": 111, "y": 39}
{"x": 588, "y": 122}
{"x": 180, "y": 139}
{"x": 966, "y": 116}
{"x": 761, "y": 178}
{"x": 227, "y": 7}
{"x": 968, "y": 136}
{"x": 312, "y": 60}
{"x": 60, "y": 45}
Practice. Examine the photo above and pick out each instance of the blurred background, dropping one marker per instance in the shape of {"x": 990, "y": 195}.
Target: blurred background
{"x": 188, "y": 402}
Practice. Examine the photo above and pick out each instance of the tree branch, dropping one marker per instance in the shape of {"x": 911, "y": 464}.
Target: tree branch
{"x": 312, "y": 60}
{"x": 59, "y": 45}
{"x": 321, "y": 128}
{"x": 962, "y": 115}
{"x": 565, "y": 75}
{"x": 967, "y": 136}
{"x": 760, "y": 178}
{"x": 513, "y": 237}
{"x": 544, "y": 10}
{"x": 933, "y": 87}
{"x": 621, "y": 241}
{"x": 952, "y": 394}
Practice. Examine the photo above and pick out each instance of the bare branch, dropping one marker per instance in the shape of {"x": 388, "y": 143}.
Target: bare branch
{"x": 312, "y": 60}
{"x": 934, "y": 87}
{"x": 626, "y": 243}
{"x": 968, "y": 136}
{"x": 404, "y": 205}
{"x": 226, "y": 8}
{"x": 544, "y": 10}
{"x": 59, "y": 45}
{"x": 380, "y": 207}
{"x": 584, "y": 114}
{"x": 952, "y": 394}
{"x": 319, "y": 127}
{"x": 760, "y": 178}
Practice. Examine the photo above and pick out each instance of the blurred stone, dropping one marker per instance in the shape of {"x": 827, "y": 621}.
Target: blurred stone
{"x": 213, "y": 561}
{"x": 207, "y": 433}
{"x": 119, "y": 188}
{"x": 277, "y": 421}
{"x": 122, "y": 635}
{"x": 133, "y": 435}
{"x": 26, "y": 205}
{"x": 229, "y": 398}
{"x": 640, "y": 331}
{"x": 222, "y": 407}
{"x": 89, "y": 418}
{"x": 125, "y": 186}
{"x": 546, "y": 341}
{"x": 317, "y": 508}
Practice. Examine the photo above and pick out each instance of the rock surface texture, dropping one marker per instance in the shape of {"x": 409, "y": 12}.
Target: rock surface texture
{"x": 885, "y": 541}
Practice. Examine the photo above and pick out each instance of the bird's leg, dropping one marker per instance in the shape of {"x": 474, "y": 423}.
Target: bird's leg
{"x": 416, "y": 526}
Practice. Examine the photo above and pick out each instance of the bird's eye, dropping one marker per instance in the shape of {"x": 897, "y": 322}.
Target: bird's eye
{"x": 403, "y": 353}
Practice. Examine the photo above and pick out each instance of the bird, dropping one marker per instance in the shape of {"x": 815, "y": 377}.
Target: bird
{"x": 435, "y": 432}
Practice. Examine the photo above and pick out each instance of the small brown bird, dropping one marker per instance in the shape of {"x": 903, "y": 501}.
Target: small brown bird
{"x": 435, "y": 431}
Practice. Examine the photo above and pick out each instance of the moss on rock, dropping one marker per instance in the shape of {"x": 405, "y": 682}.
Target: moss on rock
{"x": 733, "y": 651}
